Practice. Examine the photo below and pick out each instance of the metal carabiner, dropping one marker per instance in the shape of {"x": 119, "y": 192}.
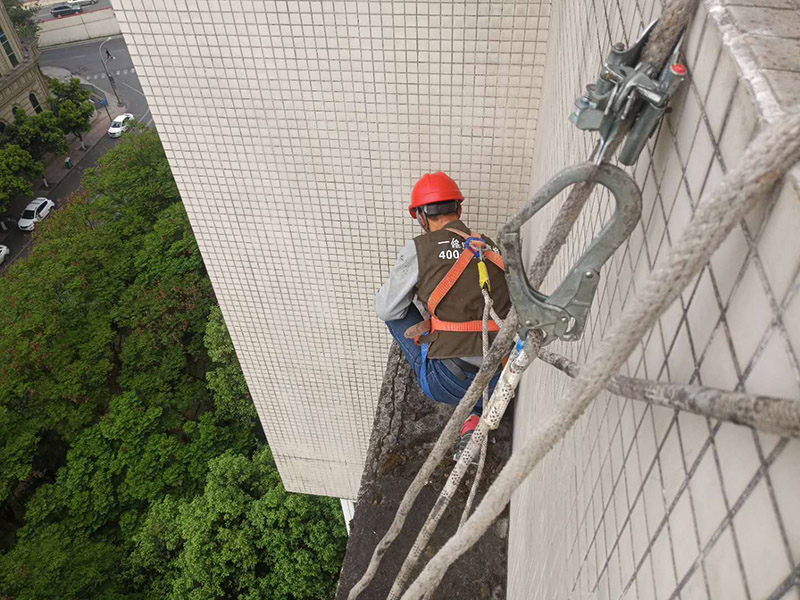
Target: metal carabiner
{"x": 563, "y": 314}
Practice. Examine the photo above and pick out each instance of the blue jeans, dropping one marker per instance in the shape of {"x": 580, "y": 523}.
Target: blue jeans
{"x": 435, "y": 379}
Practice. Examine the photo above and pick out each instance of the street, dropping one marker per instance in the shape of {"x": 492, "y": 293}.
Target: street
{"x": 19, "y": 242}
{"x": 83, "y": 60}
{"x": 44, "y": 10}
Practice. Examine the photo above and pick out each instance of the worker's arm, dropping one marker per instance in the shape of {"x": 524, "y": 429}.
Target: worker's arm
{"x": 395, "y": 296}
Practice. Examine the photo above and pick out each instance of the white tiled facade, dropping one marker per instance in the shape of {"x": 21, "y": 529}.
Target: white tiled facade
{"x": 296, "y": 130}
{"x": 644, "y": 502}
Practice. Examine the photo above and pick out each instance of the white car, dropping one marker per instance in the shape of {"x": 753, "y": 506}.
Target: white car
{"x": 37, "y": 210}
{"x": 81, "y": 2}
{"x": 4, "y": 252}
{"x": 120, "y": 124}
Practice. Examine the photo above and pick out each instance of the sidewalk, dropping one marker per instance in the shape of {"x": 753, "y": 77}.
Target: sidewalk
{"x": 54, "y": 168}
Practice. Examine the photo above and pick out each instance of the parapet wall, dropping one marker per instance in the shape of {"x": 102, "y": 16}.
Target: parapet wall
{"x": 640, "y": 501}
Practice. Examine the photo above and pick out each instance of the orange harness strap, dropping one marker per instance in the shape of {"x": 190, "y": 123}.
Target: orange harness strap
{"x": 468, "y": 326}
{"x": 447, "y": 283}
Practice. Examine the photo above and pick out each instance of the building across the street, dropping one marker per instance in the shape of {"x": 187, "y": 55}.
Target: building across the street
{"x": 22, "y": 84}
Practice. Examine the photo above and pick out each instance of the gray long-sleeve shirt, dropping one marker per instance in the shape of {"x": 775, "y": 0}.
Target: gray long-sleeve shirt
{"x": 396, "y": 295}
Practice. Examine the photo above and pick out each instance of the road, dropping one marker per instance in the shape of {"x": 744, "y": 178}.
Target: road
{"x": 44, "y": 11}
{"x": 19, "y": 242}
{"x": 84, "y": 60}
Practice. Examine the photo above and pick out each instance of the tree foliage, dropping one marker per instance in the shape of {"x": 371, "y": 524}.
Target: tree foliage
{"x": 231, "y": 396}
{"x": 38, "y": 134}
{"x": 244, "y": 537}
{"x": 71, "y": 105}
{"x": 129, "y": 468}
{"x": 18, "y": 169}
{"x": 23, "y": 17}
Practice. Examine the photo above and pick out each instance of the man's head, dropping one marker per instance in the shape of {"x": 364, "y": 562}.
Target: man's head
{"x": 435, "y": 201}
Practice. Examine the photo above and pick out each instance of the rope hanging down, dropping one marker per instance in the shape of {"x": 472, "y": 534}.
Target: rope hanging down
{"x": 657, "y": 50}
{"x": 764, "y": 163}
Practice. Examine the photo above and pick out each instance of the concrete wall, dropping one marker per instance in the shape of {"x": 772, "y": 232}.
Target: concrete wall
{"x": 296, "y": 131}
{"x": 640, "y": 501}
{"x": 76, "y": 28}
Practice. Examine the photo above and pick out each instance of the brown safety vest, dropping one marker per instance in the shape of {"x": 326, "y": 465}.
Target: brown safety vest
{"x": 437, "y": 253}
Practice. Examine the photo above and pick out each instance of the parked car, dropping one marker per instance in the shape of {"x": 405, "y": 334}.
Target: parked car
{"x": 120, "y": 125}
{"x": 37, "y": 210}
{"x": 65, "y": 10}
{"x": 4, "y": 252}
{"x": 81, "y": 2}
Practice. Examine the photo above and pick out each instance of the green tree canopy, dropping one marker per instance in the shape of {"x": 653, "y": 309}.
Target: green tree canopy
{"x": 75, "y": 118}
{"x": 38, "y": 134}
{"x": 23, "y": 18}
{"x": 245, "y": 537}
{"x": 129, "y": 468}
{"x": 71, "y": 105}
{"x": 70, "y": 90}
{"x": 231, "y": 396}
{"x": 18, "y": 169}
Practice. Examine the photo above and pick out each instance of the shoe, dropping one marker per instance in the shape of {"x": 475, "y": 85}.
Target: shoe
{"x": 467, "y": 429}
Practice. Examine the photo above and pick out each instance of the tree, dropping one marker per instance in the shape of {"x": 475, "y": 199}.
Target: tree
{"x": 70, "y": 103}
{"x": 231, "y": 397}
{"x": 59, "y": 565}
{"x": 244, "y": 537}
{"x": 23, "y": 18}
{"x": 38, "y": 134}
{"x": 17, "y": 170}
{"x": 135, "y": 176}
{"x": 75, "y": 118}
{"x": 70, "y": 90}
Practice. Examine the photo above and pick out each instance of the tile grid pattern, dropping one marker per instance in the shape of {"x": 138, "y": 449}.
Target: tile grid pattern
{"x": 295, "y": 131}
{"x": 640, "y": 501}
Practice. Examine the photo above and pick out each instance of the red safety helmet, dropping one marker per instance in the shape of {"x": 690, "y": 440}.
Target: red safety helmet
{"x": 433, "y": 188}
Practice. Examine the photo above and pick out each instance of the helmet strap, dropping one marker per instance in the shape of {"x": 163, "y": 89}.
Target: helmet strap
{"x": 422, "y": 219}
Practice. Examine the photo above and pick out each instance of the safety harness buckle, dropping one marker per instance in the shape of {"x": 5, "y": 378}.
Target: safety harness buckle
{"x": 628, "y": 90}
{"x": 563, "y": 314}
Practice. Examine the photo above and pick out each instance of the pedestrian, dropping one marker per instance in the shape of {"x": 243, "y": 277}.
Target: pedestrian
{"x": 440, "y": 269}
{"x": 108, "y": 55}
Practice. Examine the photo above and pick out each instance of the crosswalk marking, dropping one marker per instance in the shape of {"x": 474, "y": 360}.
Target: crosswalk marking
{"x": 115, "y": 73}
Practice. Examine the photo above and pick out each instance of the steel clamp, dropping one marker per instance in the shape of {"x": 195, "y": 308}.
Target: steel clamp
{"x": 563, "y": 313}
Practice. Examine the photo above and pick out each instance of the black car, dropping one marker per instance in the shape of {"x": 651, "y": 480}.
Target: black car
{"x": 64, "y": 10}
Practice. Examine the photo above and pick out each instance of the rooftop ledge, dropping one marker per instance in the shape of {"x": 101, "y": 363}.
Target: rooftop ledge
{"x": 406, "y": 426}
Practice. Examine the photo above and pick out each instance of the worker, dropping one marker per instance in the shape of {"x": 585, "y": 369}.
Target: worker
{"x": 444, "y": 349}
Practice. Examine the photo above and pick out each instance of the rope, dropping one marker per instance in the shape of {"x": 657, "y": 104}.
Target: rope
{"x": 763, "y": 164}
{"x": 664, "y": 38}
{"x": 780, "y": 416}
{"x": 487, "y": 309}
{"x": 503, "y": 393}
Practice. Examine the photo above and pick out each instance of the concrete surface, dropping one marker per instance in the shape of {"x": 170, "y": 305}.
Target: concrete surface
{"x": 407, "y": 425}
{"x": 84, "y": 26}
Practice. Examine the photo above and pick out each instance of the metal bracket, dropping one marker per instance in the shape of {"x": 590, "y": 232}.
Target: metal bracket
{"x": 563, "y": 314}
{"x": 625, "y": 90}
